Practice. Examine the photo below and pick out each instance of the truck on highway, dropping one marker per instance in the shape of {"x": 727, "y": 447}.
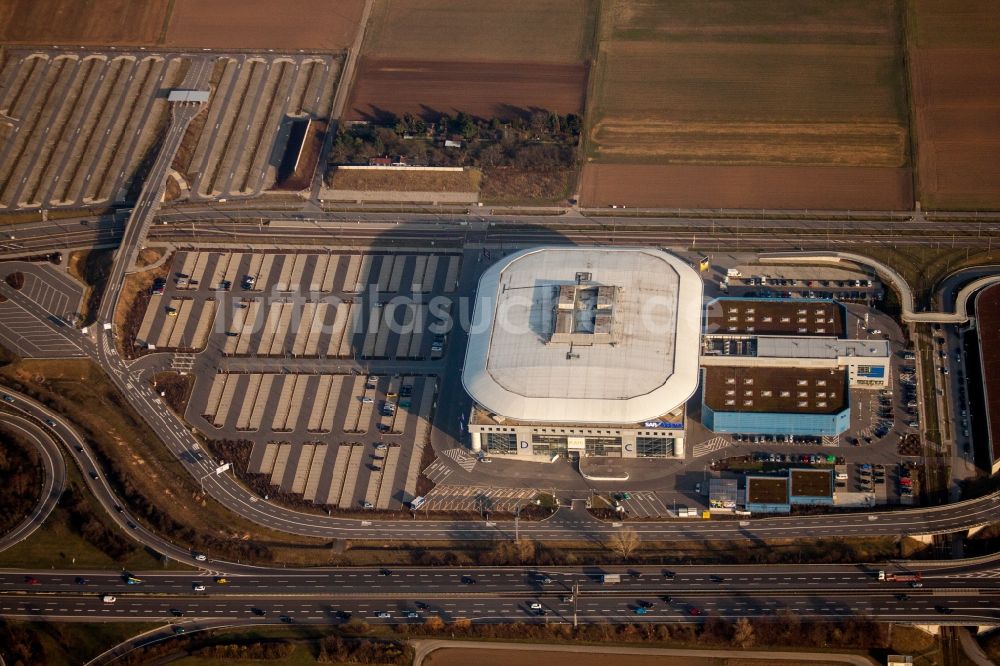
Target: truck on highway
{"x": 914, "y": 577}
{"x": 610, "y": 578}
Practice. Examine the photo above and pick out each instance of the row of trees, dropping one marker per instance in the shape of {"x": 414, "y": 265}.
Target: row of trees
{"x": 247, "y": 651}
{"x": 542, "y": 141}
{"x": 785, "y": 629}
{"x": 337, "y": 649}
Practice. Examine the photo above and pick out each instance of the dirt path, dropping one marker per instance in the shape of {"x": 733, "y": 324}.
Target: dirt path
{"x": 340, "y": 99}
{"x": 590, "y": 655}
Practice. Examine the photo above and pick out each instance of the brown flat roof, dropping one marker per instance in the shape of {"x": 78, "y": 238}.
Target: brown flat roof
{"x": 812, "y": 483}
{"x": 988, "y": 325}
{"x": 775, "y": 390}
{"x": 768, "y": 316}
{"x": 767, "y": 490}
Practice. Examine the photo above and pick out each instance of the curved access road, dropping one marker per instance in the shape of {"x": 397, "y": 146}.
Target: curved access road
{"x": 569, "y": 523}
{"x": 53, "y": 469}
{"x": 58, "y": 432}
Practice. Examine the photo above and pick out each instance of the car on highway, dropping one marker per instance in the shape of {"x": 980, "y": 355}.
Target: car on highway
{"x": 535, "y": 605}
{"x": 944, "y": 610}
{"x": 286, "y": 619}
{"x": 694, "y": 610}
{"x": 108, "y": 599}
{"x": 80, "y": 580}
{"x": 648, "y": 605}
{"x": 8, "y": 398}
{"x": 50, "y": 423}
{"x": 177, "y": 612}
{"x": 639, "y": 610}
{"x": 468, "y": 580}
{"x": 179, "y": 629}
{"x": 221, "y": 580}
{"x": 31, "y": 580}
{"x": 259, "y": 612}
{"x": 197, "y": 587}
{"x": 384, "y": 572}
{"x": 412, "y": 615}
{"x": 383, "y": 615}
{"x": 200, "y": 557}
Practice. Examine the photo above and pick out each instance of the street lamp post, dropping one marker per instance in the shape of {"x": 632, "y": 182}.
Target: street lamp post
{"x": 576, "y": 598}
{"x": 517, "y": 518}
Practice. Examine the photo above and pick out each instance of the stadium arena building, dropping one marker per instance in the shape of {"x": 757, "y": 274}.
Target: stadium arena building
{"x": 583, "y": 351}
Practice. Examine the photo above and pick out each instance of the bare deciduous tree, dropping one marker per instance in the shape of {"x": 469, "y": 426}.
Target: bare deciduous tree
{"x": 744, "y": 635}
{"x": 625, "y": 542}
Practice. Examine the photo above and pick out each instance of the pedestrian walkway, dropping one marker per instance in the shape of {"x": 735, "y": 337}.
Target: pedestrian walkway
{"x": 710, "y": 446}
{"x": 182, "y": 362}
{"x": 462, "y": 457}
{"x": 476, "y": 498}
{"x": 438, "y": 471}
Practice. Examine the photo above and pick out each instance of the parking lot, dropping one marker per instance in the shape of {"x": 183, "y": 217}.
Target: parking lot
{"x": 371, "y": 306}
{"x": 37, "y": 320}
{"x": 325, "y": 362}
{"x": 80, "y": 121}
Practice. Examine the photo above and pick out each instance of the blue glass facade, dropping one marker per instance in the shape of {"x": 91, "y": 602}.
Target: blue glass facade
{"x": 766, "y": 423}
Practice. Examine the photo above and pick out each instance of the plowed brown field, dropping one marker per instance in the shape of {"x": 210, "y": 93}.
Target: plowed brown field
{"x": 264, "y": 24}
{"x": 955, "y": 73}
{"x": 774, "y": 187}
{"x": 485, "y": 89}
{"x": 466, "y": 30}
{"x": 95, "y": 22}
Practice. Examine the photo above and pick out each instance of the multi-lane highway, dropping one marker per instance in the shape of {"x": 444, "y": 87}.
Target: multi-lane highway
{"x": 962, "y": 594}
{"x": 219, "y": 224}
